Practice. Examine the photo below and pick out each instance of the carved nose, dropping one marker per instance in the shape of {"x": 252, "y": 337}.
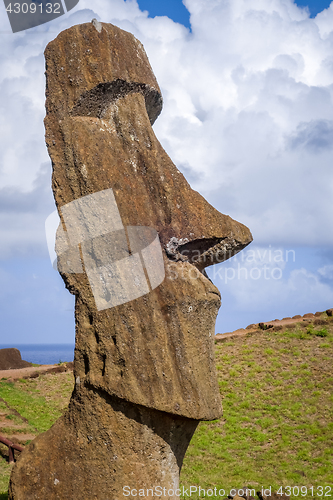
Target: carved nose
{"x": 206, "y": 252}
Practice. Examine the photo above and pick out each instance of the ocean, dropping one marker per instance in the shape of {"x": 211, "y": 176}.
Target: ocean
{"x": 44, "y": 354}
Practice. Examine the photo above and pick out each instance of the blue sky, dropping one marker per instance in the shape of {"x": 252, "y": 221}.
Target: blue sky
{"x": 176, "y": 10}
{"x": 247, "y": 118}
{"x": 314, "y": 6}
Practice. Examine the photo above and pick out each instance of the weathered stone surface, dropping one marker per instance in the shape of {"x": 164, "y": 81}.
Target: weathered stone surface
{"x": 144, "y": 369}
{"x": 11, "y": 359}
{"x": 100, "y": 446}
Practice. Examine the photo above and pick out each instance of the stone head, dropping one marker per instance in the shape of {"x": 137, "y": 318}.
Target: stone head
{"x": 145, "y": 309}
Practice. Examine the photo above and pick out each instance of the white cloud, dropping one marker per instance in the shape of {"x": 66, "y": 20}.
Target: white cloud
{"x": 247, "y": 114}
{"x": 22, "y": 216}
{"x": 264, "y": 283}
{"x": 326, "y": 271}
{"x": 247, "y": 117}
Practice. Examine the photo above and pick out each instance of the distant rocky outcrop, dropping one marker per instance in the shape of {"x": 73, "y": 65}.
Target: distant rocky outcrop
{"x": 317, "y": 319}
{"x": 132, "y": 246}
{"x": 10, "y": 359}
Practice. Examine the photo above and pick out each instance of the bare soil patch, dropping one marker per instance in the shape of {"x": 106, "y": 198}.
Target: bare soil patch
{"x": 34, "y": 371}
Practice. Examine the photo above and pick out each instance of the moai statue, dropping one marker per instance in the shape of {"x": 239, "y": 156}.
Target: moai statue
{"x": 132, "y": 245}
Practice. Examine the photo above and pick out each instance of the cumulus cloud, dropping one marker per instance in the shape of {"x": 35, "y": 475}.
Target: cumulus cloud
{"x": 248, "y": 106}
{"x": 326, "y": 272}
{"x": 315, "y": 136}
{"x": 265, "y": 283}
{"x": 22, "y": 217}
{"x": 255, "y": 80}
{"x": 247, "y": 113}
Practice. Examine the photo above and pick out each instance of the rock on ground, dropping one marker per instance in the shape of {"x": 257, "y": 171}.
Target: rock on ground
{"x": 10, "y": 359}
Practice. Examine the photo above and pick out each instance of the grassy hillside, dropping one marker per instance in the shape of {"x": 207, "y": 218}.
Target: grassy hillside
{"x": 27, "y": 408}
{"x": 277, "y": 427}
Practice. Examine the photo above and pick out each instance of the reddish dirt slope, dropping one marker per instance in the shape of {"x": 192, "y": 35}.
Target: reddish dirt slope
{"x": 276, "y": 324}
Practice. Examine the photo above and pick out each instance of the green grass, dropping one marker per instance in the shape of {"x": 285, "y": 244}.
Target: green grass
{"x": 4, "y": 478}
{"x": 277, "y": 424}
{"x": 41, "y": 414}
{"x": 40, "y": 401}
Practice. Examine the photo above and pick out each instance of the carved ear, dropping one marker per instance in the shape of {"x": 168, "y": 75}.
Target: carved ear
{"x": 95, "y": 102}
